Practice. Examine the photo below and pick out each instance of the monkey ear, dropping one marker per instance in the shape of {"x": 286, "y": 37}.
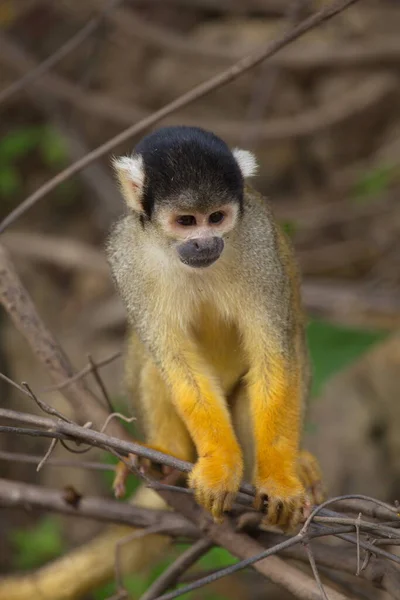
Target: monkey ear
{"x": 246, "y": 161}
{"x": 130, "y": 173}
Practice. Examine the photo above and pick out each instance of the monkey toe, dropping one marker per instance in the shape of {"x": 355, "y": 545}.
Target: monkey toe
{"x": 311, "y": 477}
{"x": 215, "y": 486}
{"x": 287, "y": 514}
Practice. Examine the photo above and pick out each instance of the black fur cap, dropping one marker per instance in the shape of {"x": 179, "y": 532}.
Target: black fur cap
{"x": 189, "y": 167}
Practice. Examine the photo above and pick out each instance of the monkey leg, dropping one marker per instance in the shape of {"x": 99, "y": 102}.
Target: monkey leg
{"x": 285, "y": 515}
{"x": 165, "y": 431}
{"x": 311, "y": 477}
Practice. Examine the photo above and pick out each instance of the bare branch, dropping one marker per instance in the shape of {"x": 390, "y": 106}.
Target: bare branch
{"x": 47, "y": 455}
{"x": 314, "y": 569}
{"x": 173, "y": 573}
{"x": 22, "y": 495}
{"x": 69, "y": 46}
{"x": 22, "y": 311}
{"x": 83, "y": 372}
{"x": 54, "y": 462}
{"x": 106, "y": 397}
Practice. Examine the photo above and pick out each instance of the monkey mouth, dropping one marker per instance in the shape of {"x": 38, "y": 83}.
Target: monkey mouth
{"x": 200, "y": 262}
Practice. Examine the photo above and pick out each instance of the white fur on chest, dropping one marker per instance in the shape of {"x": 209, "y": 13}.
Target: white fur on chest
{"x": 184, "y": 290}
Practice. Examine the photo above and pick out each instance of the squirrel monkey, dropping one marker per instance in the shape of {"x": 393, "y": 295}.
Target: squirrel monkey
{"x": 217, "y": 357}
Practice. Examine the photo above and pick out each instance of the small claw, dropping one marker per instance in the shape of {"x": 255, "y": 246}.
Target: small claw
{"x": 218, "y": 507}
{"x": 121, "y": 475}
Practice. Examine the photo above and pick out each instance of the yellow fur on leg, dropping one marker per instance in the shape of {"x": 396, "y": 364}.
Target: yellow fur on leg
{"x": 201, "y": 404}
{"x": 164, "y": 428}
{"x": 276, "y": 399}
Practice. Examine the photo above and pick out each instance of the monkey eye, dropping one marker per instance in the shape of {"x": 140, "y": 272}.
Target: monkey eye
{"x": 216, "y": 217}
{"x": 186, "y": 220}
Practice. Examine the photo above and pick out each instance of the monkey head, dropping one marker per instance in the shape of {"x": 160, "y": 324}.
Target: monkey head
{"x": 188, "y": 186}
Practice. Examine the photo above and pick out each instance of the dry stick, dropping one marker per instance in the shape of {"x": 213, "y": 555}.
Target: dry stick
{"x": 229, "y": 570}
{"x": 73, "y": 43}
{"x": 44, "y": 406}
{"x": 45, "y": 458}
{"x": 314, "y": 569}
{"x": 54, "y": 462}
{"x": 14, "y": 494}
{"x": 251, "y": 553}
{"x": 196, "y": 93}
{"x": 83, "y": 372}
{"x": 268, "y": 78}
{"x": 20, "y": 495}
{"x": 380, "y": 573}
{"x": 171, "y": 575}
{"x": 121, "y": 591}
{"x": 18, "y": 304}
{"x": 373, "y": 91}
{"x": 103, "y": 390}
{"x": 63, "y": 430}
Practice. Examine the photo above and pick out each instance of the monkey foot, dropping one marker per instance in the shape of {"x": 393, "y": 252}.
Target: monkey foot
{"x": 215, "y": 482}
{"x": 138, "y": 463}
{"x": 284, "y": 500}
{"x": 285, "y": 513}
{"x": 310, "y": 475}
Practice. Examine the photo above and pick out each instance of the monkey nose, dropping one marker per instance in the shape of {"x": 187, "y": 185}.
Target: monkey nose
{"x": 201, "y": 252}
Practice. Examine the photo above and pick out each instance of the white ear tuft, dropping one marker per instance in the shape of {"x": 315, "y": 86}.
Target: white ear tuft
{"x": 246, "y": 161}
{"x": 130, "y": 173}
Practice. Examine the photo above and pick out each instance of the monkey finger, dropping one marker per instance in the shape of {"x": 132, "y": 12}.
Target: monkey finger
{"x": 218, "y": 507}
{"x": 260, "y": 500}
{"x": 275, "y": 511}
{"x": 228, "y": 501}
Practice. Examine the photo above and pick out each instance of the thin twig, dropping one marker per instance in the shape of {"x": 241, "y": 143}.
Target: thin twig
{"x": 118, "y": 416}
{"x": 76, "y": 40}
{"x": 171, "y": 575}
{"x": 26, "y": 496}
{"x": 196, "y": 93}
{"x": 101, "y": 384}
{"x": 118, "y": 549}
{"x": 82, "y": 373}
{"x": 43, "y": 405}
{"x": 54, "y": 462}
{"x": 314, "y": 569}
{"x": 48, "y": 454}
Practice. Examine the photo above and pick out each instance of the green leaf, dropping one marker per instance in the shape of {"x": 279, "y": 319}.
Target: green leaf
{"x": 19, "y": 142}
{"x": 10, "y": 181}
{"x": 373, "y": 183}
{"x": 36, "y": 546}
{"x": 52, "y": 147}
{"x": 333, "y": 348}
{"x": 217, "y": 558}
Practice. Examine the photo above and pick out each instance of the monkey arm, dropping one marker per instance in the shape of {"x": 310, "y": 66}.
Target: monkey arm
{"x": 201, "y": 405}
{"x": 276, "y": 394}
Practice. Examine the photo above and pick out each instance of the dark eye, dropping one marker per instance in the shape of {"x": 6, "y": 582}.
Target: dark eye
{"x": 216, "y": 217}
{"x": 186, "y": 220}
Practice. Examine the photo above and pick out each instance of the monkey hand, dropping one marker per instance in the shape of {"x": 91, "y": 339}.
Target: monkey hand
{"x": 287, "y": 501}
{"x": 216, "y": 478}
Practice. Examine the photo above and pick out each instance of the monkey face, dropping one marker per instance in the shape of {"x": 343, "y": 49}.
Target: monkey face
{"x": 197, "y": 238}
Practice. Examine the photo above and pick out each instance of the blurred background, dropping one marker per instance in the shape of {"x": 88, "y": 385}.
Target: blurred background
{"x": 322, "y": 116}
